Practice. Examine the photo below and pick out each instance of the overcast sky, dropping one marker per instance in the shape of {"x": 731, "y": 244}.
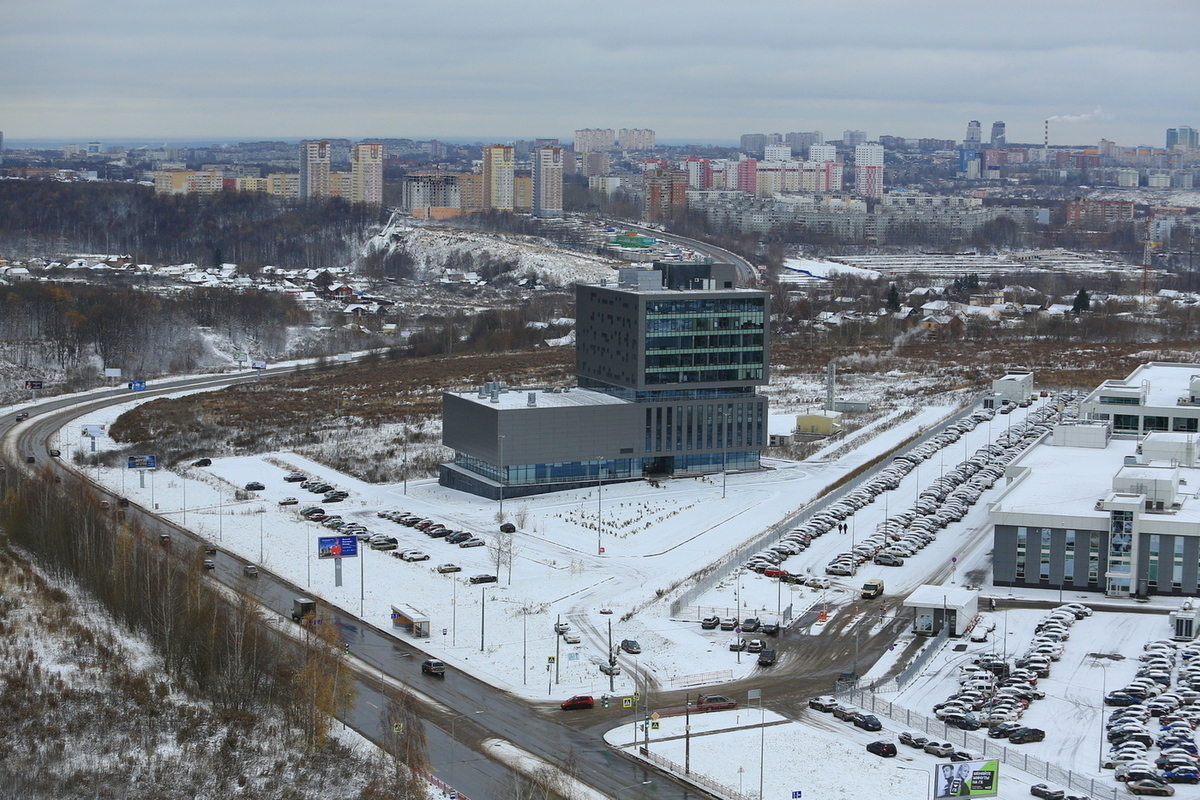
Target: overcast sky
{"x": 701, "y": 71}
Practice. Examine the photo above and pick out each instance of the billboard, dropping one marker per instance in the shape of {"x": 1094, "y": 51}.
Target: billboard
{"x": 137, "y": 386}
{"x": 967, "y": 779}
{"x": 92, "y": 429}
{"x": 33, "y": 385}
{"x": 337, "y": 547}
{"x": 142, "y": 462}
{"x": 258, "y": 365}
{"x": 112, "y": 372}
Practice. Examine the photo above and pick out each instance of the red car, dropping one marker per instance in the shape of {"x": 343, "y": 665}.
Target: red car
{"x": 774, "y": 572}
{"x": 578, "y": 701}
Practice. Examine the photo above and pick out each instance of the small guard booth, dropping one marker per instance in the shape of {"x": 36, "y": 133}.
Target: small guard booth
{"x": 935, "y": 607}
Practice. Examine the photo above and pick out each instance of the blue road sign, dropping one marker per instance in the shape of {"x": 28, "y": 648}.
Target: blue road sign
{"x": 337, "y": 547}
{"x": 137, "y": 386}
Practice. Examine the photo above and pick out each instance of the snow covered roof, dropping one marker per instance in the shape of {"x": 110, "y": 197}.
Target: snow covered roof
{"x": 518, "y": 398}
{"x": 930, "y": 596}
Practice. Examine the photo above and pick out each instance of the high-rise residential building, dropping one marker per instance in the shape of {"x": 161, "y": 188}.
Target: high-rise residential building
{"x": 700, "y": 172}
{"x": 548, "y": 182}
{"x": 777, "y": 152}
{"x": 594, "y": 140}
{"x": 747, "y": 175}
{"x": 366, "y": 170}
{"x": 800, "y": 141}
{"x": 428, "y": 189}
{"x": 470, "y": 191}
{"x": 523, "y": 191}
{"x": 868, "y": 170}
{"x": 666, "y": 190}
{"x": 974, "y": 135}
{"x": 853, "y": 138}
{"x": 1183, "y": 138}
{"x": 595, "y": 164}
{"x": 997, "y": 139}
{"x": 753, "y": 143}
{"x": 499, "y": 164}
{"x": 668, "y": 363}
{"x": 314, "y": 169}
{"x": 635, "y": 139}
{"x": 822, "y": 152}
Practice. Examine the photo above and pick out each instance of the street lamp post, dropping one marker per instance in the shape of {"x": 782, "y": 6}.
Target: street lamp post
{"x": 454, "y": 741}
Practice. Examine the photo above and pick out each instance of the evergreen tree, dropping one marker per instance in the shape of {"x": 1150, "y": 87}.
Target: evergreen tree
{"x": 893, "y": 298}
{"x": 1083, "y": 302}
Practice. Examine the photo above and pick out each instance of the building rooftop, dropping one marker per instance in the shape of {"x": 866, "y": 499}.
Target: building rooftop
{"x": 518, "y": 397}
{"x": 1068, "y": 481}
{"x": 1164, "y": 383}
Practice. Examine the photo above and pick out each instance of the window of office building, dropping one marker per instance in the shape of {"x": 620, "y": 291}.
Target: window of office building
{"x": 1125, "y": 422}
{"x": 1154, "y": 423}
{"x": 1177, "y": 565}
{"x": 1093, "y": 557}
{"x": 1022, "y": 543}
{"x": 1044, "y": 572}
{"x": 1069, "y": 557}
{"x": 1185, "y": 424}
{"x": 1152, "y": 561}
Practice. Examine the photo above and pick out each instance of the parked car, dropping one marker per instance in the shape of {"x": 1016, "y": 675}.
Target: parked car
{"x": 912, "y": 739}
{"x": 444, "y": 568}
{"x": 750, "y": 624}
{"x": 472, "y": 542}
{"x": 562, "y": 627}
{"x": 295, "y": 477}
{"x": 571, "y": 638}
{"x": 755, "y": 646}
{"x": 414, "y": 555}
{"x": 460, "y": 536}
{"x": 289, "y": 501}
{"x": 941, "y": 749}
{"x": 737, "y": 644}
{"x": 1025, "y": 735}
{"x": 24, "y": 415}
{"x": 888, "y": 560}
{"x": 1046, "y": 793}
{"x": 884, "y": 749}
{"x": 610, "y": 669}
{"x": 825, "y": 704}
{"x": 482, "y": 579}
{"x": 710, "y": 623}
{"x": 254, "y": 486}
{"x": 431, "y": 666}
{"x": 1151, "y": 786}
{"x": 728, "y": 623}
{"x": 868, "y": 722}
{"x": 508, "y": 527}
{"x": 578, "y": 702}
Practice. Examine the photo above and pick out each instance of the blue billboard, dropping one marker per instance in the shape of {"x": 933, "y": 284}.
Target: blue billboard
{"x": 142, "y": 462}
{"x": 337, "y": 547}
{"x": 137, "y": 386}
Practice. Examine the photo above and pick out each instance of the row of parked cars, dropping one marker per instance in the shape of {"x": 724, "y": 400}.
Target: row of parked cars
{"x": 1152, "y": 713}
{"x": 994, "y": 694}
{"x": 436, "y": 530}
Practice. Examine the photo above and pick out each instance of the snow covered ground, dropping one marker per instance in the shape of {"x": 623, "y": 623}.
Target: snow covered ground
{"x": 826, "y": 269}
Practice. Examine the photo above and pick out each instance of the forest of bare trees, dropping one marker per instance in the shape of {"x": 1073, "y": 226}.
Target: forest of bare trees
{"x": 51, "y": 218}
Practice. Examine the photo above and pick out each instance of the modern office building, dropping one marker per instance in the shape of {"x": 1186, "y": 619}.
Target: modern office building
{"x": 667, "y": 363}
{"x": 314, "y": 169}
{"x": 997, "y": 134}
{"x": 1107, "y": 503}
{"x": 499, "y": 166}
{"x": 974, "y": 135}
{"x": 868, "y": 171}
{"x": 366, "y": 171}
{"x": 1183, "y": 137}
{"x": 548, "y": 182}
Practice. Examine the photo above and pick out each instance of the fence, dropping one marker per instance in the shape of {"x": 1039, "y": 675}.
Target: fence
{"x": 976, "y": 743}
{"x": 705, "y": 783}
{"x": 913, "y": 669}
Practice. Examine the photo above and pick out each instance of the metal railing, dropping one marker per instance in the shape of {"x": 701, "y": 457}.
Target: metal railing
{"x": 694, "y": 778}
{"x": 912, "y": 670}
{"x": 975, "y": 743}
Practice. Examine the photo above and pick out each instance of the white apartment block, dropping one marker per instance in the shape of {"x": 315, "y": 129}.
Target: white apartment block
{"x": 594, "y": 140}
{"x": 777, "y": 152}
{"x": 314, "y": 169}
{"x": 822, "y": 152}
{"x": 635, "y": 139}
{"x": 366, "y": 171}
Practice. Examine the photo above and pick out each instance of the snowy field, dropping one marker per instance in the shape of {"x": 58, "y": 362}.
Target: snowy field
{"x": 653, "y": 538}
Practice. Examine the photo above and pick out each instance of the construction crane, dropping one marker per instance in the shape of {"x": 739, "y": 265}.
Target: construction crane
{"x": 1148, "y": 248}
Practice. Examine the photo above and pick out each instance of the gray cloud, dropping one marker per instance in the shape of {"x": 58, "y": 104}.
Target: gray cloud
{"x": 700, "y": 71}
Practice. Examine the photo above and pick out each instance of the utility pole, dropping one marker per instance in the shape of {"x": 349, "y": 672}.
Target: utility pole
{"x": 482, "y": 615}
{"x": 612, "y": 660}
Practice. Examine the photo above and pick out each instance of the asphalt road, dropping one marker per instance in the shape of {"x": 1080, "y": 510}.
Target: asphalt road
{"x": 747, "y": 270}
{"x": 459, "y": 738}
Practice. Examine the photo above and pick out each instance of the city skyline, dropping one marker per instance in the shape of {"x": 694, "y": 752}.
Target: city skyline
{"x": 212, "y": 73}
